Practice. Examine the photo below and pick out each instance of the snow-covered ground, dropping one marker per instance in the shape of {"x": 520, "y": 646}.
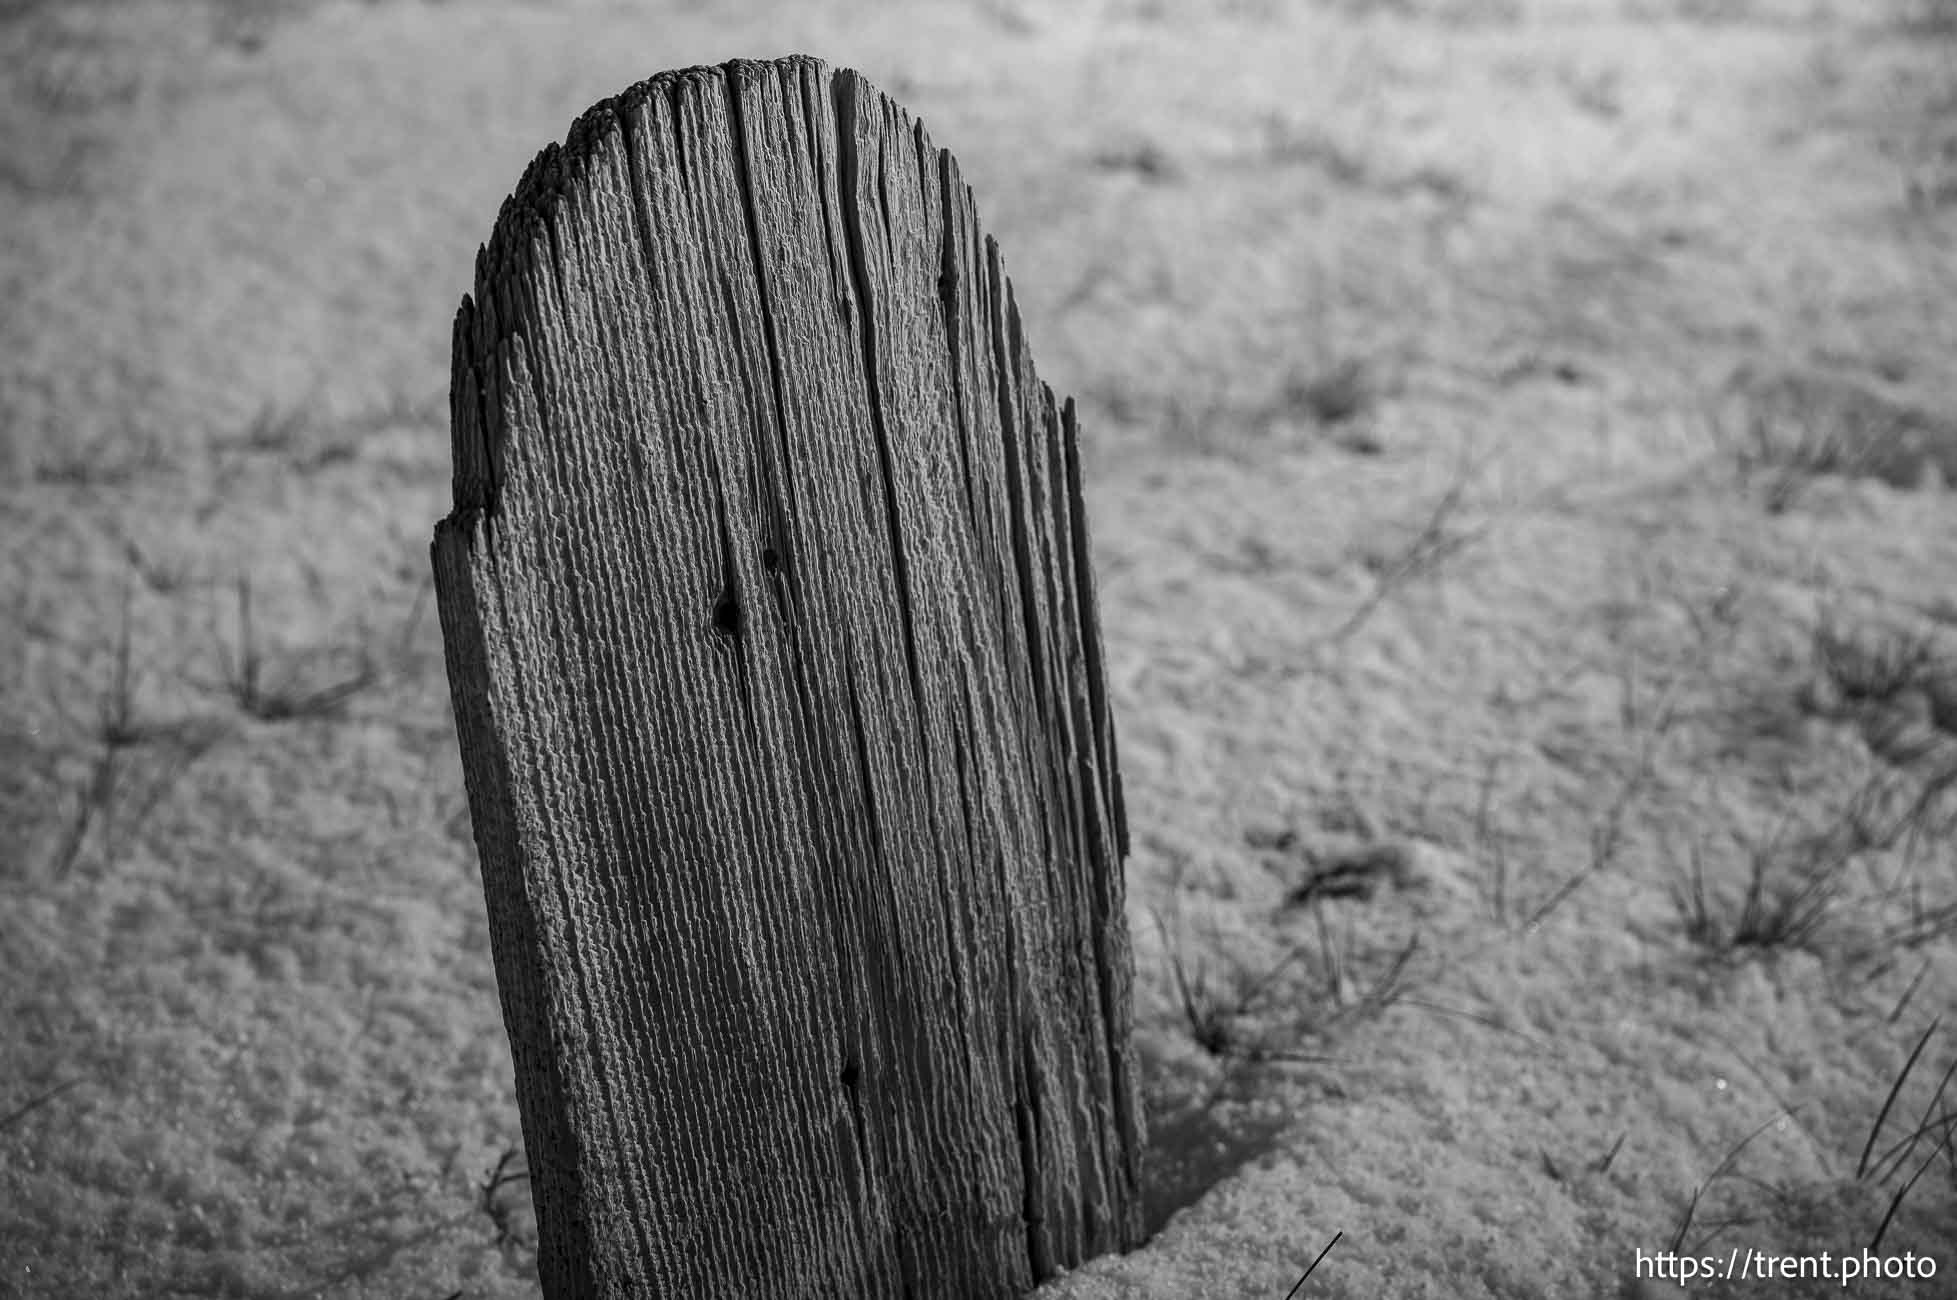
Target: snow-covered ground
{"x": 1517, "y": 437}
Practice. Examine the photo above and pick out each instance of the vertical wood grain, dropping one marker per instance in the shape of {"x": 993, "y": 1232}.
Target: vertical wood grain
{"x": 774, "y": 655}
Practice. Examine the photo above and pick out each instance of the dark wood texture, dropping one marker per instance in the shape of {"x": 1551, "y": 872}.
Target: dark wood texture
{"x": 774, "y": 652}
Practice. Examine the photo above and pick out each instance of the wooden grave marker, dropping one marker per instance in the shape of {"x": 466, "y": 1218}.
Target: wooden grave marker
{"x": 774, "y": 654}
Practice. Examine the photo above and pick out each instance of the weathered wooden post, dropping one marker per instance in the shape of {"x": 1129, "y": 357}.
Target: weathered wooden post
{"x": 775, "y": 661}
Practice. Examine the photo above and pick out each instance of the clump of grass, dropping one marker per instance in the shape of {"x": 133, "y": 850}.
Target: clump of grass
{"x": 1215, "y": 1016}
{"x": 245, "y": 679}
{"x": 1194, "y": 422}
{"x": 1231, "y": 1020}
{"x": 110, "y": 798}
{"x": 1334, "y": 394}
{"x": 1794, "y": 426}
{"x": 1783, "y": 903}
{"x": 1897, "y": 682}
{"x": 1864, "y": 662}
{"x": 1695, "y": 901}
{"x": 1793, "y": 879}
{"x": 1796, "y": 451}
{"x": 273, "y": 429}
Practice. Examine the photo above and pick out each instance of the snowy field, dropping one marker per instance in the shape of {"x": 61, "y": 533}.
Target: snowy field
{"x": 1518, "y": 438}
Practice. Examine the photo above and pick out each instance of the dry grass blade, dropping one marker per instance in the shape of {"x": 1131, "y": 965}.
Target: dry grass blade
{"x": 1389, "y": 988}
{"x": 1607, "y": 837}
{"x": 371, "y": 1260}
{"x": 1902, "y": 1193}
{"x": 289, "y": 704}
{"x": 1926, "y": 927}
{"x": 1724, "y": 1168}
{"x": 161, "y": 575}
{"x": 34, "y": 1103}
{"x": 97, "y": 799}
{"x": 1885, "y": 1166}
{"x": 1944, "y": 1126}
{"x": 241, "y": 676}
{"x": 1254, "y": 992}
{"x": 1684, "y": 1224}
{"x": 1909, "y": 994}
{"x": 1475, "y": 1017}
{"x": 115, "y": 789}
{"x": 404, "y": 649}
{"x": 1902, "y": 1149}
{"x": 1895, "y": 1089}
{"x": 1432, "y": 546}
{"x": 1313, "y": 1266}
{"x": 117, "y": 727}
{"x": 1487, "y": 838}
{"x": 1692, "y": 898}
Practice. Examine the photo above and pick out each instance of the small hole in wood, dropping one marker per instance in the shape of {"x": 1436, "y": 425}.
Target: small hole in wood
{"x": 850, "y": 1075}
{"x": 727, "y": 614}
{"x": 771, "y": 559}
